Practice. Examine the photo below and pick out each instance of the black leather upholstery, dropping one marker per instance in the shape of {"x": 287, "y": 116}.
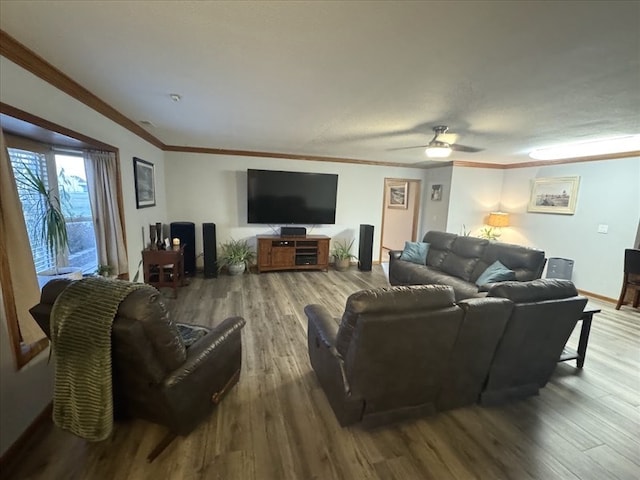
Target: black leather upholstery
{"x": 154, "y": 376}
{"x": 395, "y": 350}
{"x": 458, "y": 261}
{"x": 545, "y": 313}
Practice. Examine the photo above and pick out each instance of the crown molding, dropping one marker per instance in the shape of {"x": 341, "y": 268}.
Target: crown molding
{"x": 13, "y": 50}
{"x": 285, "y": 156}
{"x": 19, "y": 54}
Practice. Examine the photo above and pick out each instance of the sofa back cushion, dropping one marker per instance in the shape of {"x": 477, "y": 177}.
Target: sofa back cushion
{"x": 527, "y": 263}
{"x": 392, "y": 301}
{"x": 439, "y": 245}
{"x": 463, "y": 256}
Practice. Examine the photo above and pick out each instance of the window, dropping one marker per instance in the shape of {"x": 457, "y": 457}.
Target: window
{"x": 65, "y": 174}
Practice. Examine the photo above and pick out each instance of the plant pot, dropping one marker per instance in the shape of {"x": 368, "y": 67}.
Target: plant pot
{"x": 343, "y": 264}
{"x": 236, "y": 268}
{"x": 46, "y": 276}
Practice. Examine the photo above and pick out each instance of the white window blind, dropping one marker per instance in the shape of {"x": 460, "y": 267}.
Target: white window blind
{"x": 21, "y": 160}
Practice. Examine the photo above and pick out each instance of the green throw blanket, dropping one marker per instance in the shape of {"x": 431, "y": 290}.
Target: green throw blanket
{"x": 81, "y": 322}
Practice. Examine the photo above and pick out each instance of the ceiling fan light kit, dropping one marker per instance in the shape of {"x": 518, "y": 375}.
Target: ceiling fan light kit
{"x": 438, "y": 150}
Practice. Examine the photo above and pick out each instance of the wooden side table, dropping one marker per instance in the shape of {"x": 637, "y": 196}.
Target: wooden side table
{"x": 164, "y": 268}
{"x": 569, "y": 354}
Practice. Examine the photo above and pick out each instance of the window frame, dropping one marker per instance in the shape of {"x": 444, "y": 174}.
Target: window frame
{"x": 32, "y": 127}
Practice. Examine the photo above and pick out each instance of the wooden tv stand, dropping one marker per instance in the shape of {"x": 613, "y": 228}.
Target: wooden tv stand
{"x": 310, "y": 252}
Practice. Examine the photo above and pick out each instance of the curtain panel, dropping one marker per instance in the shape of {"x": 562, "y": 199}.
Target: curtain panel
{"x": 17, "y": 271}
{"x": 108, "y": 220}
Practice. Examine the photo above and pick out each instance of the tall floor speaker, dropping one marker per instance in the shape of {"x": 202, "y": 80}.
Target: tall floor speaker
{"x": 186, "y": 232}
{"x": 210, "y": 250}
{"x": 365, "y": 253}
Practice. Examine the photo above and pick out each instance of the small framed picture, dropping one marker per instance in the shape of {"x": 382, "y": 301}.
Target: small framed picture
{"x": 554, "y": 195}
{"x": 436, "y": 193}
{"x": 398, "y": 195}
{"x": 143, "y": 173}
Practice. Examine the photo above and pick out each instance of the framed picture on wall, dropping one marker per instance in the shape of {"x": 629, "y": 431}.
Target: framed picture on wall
{"x": 398, "y": 195}
{"x": 554, "y": 195}
{"x": 436, "y": 193}
{"x": 143, "y": 173}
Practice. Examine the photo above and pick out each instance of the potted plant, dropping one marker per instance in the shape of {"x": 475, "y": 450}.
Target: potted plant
{"x": 104, "y": 270}
{"x": 490, "y": 233}
{"x": 342, "y": 254}
{"x": 51, "y": 225}
{"x": 235, "y": 256}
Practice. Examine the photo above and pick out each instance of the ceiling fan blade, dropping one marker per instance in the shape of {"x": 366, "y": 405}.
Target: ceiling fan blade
{"x": 463, "y": 148}
{"x": 406, "y": 148}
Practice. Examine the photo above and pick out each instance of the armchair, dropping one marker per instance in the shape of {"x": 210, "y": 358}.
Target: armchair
{"x": 154, "y": 375}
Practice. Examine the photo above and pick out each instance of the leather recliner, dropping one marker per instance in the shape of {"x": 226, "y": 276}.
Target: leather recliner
{"x": 155, "y": 377}
{"x": 545, "y": 312}
{"x": 399, "y": 352}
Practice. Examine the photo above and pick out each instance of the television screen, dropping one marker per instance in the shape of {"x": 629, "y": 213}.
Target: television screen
{"x": 275, "y": 197}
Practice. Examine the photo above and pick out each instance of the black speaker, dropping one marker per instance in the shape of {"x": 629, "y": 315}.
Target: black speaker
{"x": 186, "y": 232}
{"x": 365, "y": 253}
{"x": 210, "y": 250}
{"x": 293, "y": 231}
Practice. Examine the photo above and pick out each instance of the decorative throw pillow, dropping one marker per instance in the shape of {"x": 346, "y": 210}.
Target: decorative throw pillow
{"x": 415, "y": 252}
{"x": 496, "y": 272}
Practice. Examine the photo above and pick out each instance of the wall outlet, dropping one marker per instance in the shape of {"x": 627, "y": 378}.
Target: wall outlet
{"x": 603, "y": 228}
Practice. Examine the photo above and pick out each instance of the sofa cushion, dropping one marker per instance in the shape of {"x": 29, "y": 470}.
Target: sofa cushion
{"x": 439, "y": 245}
{"x": 496, "y": 272}
{"x": 415, "y": 252}
{"x": 463, "y": 256}
{"x": 391, "y": 300}
{"x": 534, "y": 291}
{"x": 527, "y": 263}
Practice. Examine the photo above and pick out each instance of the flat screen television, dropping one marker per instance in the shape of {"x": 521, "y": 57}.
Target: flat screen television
{"x": 276, "y": 197}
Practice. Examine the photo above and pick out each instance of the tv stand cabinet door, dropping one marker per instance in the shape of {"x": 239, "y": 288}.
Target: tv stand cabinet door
{"x": 323, "y": 253}
{"x": 283, "y": 257}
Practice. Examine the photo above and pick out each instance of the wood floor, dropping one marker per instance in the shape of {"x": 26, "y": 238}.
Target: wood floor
{"x": 276, "y": 424}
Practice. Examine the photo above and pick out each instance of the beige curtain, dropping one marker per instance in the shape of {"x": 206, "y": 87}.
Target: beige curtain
{"x": 103, "y": 195}
{"x": 19, "y": 280}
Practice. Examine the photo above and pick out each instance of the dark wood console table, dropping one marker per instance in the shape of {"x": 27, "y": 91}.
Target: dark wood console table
{"x": 164, "y": 268}
{"x": 310, "y": 252}
{"x": 569, "y": 354}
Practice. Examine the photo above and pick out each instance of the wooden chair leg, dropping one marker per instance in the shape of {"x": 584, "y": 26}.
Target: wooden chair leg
{"x": 622, "y": 294}
{"x": 159, "y": 448}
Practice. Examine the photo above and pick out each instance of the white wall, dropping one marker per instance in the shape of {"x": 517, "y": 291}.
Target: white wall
{"x": 436, "y": 212}
{"x": 609, "y": 194}
{"x": 24, "y": 394}
{"x": 213, "y": 188}
{"x": 474, "y": 193}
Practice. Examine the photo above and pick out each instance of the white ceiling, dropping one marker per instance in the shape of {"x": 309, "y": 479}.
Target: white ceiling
{"x": 351, "y": 79}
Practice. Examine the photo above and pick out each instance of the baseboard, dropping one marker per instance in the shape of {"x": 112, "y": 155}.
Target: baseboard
{"x": 13, "y": 452}
{"x": 598, "y": 297}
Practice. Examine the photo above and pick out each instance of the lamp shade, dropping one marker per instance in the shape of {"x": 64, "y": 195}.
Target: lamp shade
{"x": 498, "y": 219}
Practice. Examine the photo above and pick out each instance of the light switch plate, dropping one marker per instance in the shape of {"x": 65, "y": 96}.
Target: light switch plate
{"x": 603, "y": 228}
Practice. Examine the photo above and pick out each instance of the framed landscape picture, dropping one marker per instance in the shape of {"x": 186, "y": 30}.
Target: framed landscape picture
{"x": 398, "y": 195}
{"x": 145, "y": 183}
{"x": 554, "y": 195}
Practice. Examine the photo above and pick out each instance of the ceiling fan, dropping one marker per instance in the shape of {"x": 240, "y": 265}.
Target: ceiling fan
{"x": 438, "y": 148}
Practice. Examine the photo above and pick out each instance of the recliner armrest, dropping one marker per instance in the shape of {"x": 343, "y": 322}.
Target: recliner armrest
{"x": 394, "y": 255}
{"x": 323, "y": 323}
{"x": 207, "y": 347}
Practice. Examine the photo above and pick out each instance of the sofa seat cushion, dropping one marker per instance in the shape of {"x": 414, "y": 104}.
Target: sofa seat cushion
{"x": 415, "y": 252}
{"x": 496, "y": 272}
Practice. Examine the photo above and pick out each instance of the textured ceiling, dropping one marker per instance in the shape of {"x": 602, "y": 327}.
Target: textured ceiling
{"x": 351, "y": 79}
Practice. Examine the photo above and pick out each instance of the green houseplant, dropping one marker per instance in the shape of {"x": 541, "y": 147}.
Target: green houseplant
{"x": 342, "y": 254}
{"x": 235, "y": 256}
{"x": 50, "y": 223}
{"x": 490, "y": 233}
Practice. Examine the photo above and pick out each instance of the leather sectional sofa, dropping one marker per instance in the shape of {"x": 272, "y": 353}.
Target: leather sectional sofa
{"x": 402, "y": 352}
{"x": 459, "y": 261}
